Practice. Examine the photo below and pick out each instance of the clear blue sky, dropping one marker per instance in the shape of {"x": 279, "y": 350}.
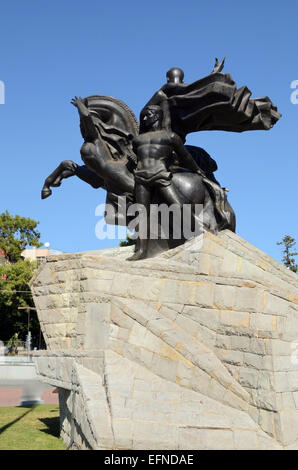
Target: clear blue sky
{"x": 51, "y": 51}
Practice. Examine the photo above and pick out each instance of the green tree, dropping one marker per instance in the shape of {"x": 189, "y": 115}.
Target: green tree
{"x": 128, "y": 242}
{"x": 16, "y": 233}
{"x": 288, "y": 255}
{"x": 15, "y": 293}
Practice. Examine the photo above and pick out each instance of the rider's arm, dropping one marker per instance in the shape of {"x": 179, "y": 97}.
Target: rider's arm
{"x": 156, "y": 99}
{"x": 166, "y": 122}
{"x": 88, "y": 128}
{"x": 184, "y": 156}
{"x": 90, "y": 132}
{"x": 87, "y": 122}
{"x": 161, "y": 99}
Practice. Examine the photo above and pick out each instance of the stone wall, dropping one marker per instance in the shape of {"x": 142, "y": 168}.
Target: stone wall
{"x": 192, "y": 349}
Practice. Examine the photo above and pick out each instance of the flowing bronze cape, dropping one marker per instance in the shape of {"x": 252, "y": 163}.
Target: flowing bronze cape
{"x": 215, "y": 103}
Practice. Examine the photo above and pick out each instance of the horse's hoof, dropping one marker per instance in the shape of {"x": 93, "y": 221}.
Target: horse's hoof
{"x": 45, "y": 193}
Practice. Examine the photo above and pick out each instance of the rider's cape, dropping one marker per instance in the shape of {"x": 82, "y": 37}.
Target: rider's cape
{"x": 215, "y": 103}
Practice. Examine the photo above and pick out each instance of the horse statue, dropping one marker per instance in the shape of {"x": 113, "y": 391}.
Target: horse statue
{"x": 110, "y": 131}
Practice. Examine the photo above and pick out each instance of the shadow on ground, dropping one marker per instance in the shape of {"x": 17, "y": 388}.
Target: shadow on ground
{"x": 8, "y": 425}
{"x": 53, "y": 426}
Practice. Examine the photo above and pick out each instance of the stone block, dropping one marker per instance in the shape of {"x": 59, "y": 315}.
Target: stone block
{"x": 235, "y": 319}
{"x": 241, "y": 343}
{"x": 193, "y": 349}
{"x": 286, "y": 423}
{"x": 248, "y": 299}
{"x": 245, "y": 439}
{"x": 97, "y": 326}
{"x": 224, "y": 297}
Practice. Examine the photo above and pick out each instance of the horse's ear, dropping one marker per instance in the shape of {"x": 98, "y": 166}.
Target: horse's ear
{"x": 86, "y": 102}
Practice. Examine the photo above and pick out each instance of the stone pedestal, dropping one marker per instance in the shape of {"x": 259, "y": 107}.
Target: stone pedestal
{"x": 192, "y": 349}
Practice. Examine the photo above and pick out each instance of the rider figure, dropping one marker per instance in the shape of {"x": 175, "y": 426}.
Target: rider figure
{"x": 154, "y": 148}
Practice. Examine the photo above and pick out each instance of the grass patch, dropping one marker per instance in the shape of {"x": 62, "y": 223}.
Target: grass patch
{"x": 30, "y": 428}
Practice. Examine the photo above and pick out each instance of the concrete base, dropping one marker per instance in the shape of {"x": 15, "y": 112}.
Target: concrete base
{"x": 193, "y": 349}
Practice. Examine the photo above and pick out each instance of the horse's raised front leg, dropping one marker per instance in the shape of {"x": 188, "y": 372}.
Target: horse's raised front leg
{"x": 66, "y": 169}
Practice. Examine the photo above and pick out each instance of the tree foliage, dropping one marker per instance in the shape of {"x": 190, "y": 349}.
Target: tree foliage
{"x": 15, "y": 293}
{"x": 16, "y": 233}
{"x": 288, "y": 255}
{"x": 128, "y": 242}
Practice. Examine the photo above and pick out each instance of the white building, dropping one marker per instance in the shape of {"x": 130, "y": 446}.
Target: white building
{"x": 39, "y": 254}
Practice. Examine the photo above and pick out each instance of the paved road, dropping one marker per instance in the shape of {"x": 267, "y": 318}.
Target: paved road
{"x": 12, "y": 396}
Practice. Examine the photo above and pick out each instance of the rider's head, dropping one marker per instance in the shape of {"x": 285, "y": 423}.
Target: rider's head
{"x": 175, "y": 75}
{"x": 150, "y": 115}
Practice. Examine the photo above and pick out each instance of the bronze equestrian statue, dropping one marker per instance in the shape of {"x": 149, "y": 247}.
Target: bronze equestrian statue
{"x": 149, "y": 163}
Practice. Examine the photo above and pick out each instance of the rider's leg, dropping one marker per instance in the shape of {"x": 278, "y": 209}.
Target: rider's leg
{"x": 171, "y": 195}
{"x": 191, "y": 216}
{"x": 143, "y": 198}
